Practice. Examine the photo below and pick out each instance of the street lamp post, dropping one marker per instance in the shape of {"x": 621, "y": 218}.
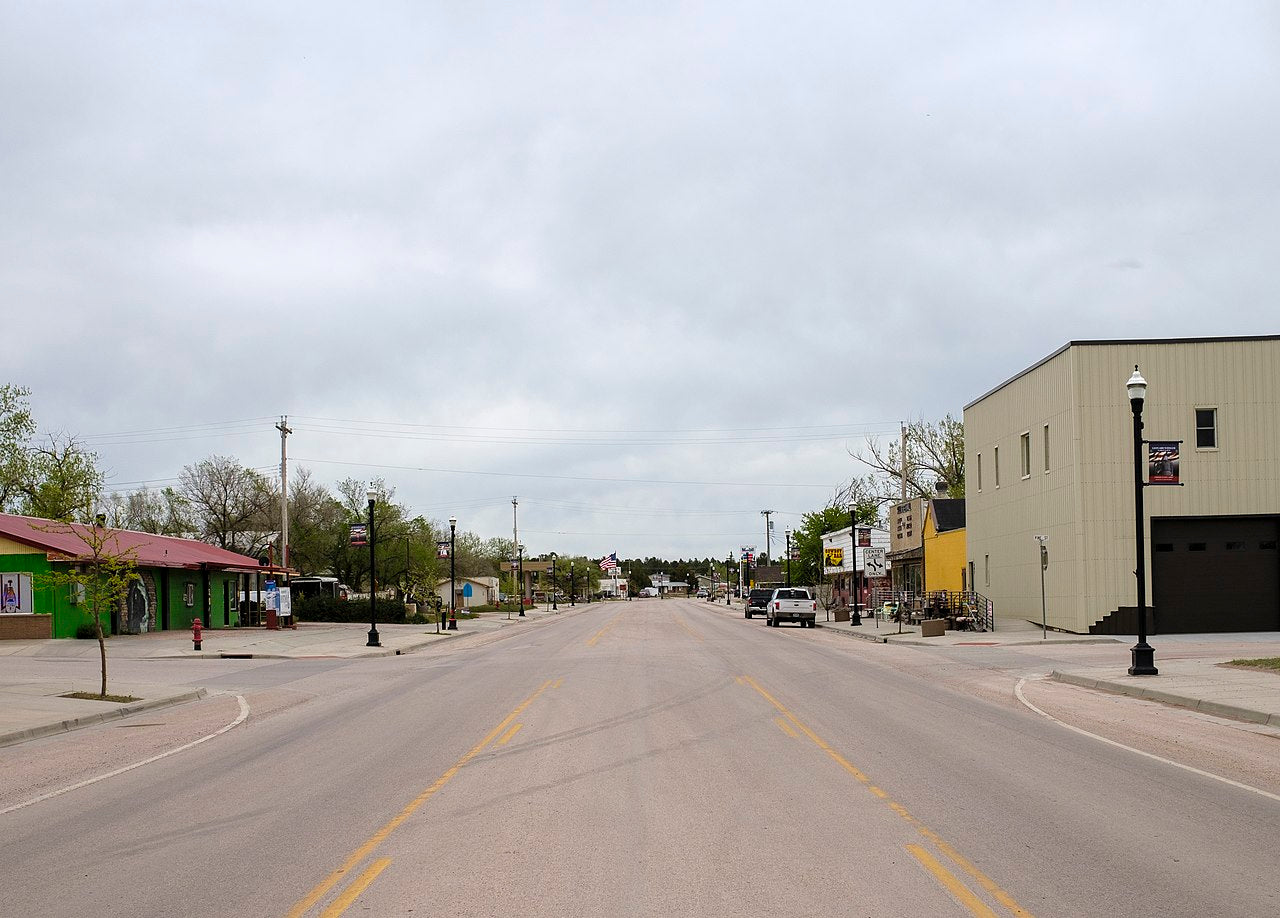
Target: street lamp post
{"x": 571, "y": 596}
{"x": 1142, "y": 654}
{"x": 727, "y": 564}
{"x": 788, "y": 557}
{"x": 855, "y": 607}
{"x": 553, "y": 583}
{"x": 453, "y": 577}
{"x": 520, "y": 578}
{"x": 373, "y": 587}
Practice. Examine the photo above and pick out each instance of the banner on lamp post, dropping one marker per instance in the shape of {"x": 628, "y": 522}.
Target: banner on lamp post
{"x": 1162, "y": 462}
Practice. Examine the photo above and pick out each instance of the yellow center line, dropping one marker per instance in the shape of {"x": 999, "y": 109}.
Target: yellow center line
{"x": 591, "y": 641}
{"x": 786, "y": 728}
{"x": 381, "y": 835}
{"x": 695, "y": 635}
{"x": 506, "y": 737}
{"x": 948, "y": 879}
{"x": 343, "y": 902}
{"x": 951, "y": 853}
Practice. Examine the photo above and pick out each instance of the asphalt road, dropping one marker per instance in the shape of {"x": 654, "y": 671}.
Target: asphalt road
{"x": 652, "y": 758}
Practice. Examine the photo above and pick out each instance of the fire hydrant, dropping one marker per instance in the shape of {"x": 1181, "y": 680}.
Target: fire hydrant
{"x": 197, "y": 629}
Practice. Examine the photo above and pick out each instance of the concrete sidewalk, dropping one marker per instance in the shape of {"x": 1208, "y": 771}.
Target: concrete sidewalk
{"x": 1204, "y": 684}
{"x": 1212, "y": 687}
{"x": 35, "y": 707}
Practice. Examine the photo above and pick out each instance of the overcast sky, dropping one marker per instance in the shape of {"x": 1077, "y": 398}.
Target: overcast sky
{"x": 649, "y": 267}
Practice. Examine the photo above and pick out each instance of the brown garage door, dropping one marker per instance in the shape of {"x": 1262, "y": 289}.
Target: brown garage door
{"x": 1215, "y": 574}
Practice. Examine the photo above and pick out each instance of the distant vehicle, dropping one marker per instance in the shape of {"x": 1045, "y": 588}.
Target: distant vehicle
{"x": 702, "y": 594}
{"x": 319, "y": 586}
{"x": 758, "y": 600}
{"x": 649, "y": 591}
{"x": 792, "y": 604}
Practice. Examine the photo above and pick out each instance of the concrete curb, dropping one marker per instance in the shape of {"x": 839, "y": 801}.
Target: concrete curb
{"x": 847, "y": 631}
{"x": 75, "y": 723}
{"x": 1216, "y": 708}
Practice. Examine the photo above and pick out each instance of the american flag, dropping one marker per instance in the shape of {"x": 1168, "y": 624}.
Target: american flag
{"x": 609, "y": 562}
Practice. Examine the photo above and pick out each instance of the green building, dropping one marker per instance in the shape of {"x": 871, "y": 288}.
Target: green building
{"x": 179, "y": 580}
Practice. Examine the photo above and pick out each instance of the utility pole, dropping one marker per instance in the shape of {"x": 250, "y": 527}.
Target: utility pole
{"x": 285, "y": 430}
{"x": 515, "y": 545}
{"x": 905, "y": 467}
{"x": 768, "y": 553}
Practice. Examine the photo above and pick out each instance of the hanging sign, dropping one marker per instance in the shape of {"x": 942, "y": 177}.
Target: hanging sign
{"x": 442, "y": 548}
{"x": 359, "y": 534}
{"x": 1162, "y": 462}
{"x": 864, "y": 538}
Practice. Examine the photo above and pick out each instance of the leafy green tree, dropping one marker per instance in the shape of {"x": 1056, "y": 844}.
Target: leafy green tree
{"x": 63, "y": 480}
{"x": 102, "y": 575}
{"x": 17, "y": 427}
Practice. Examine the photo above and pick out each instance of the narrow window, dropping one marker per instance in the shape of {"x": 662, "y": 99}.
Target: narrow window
{"x": 1046, "y": 447}
{"x": 1206, "y": 428}
{"x": 1026, "y": 455}
{"x": 189, "y": 594}
{"x": 1164, "y": 546}
{"x": 995, "y": 452}
{"x": 979, "y": 471}
{"x": 1198, "y": 546}
{"x": 1267, "y": 545}
{"x": 1235, "y": 546}
{"x": 986, "y": 569}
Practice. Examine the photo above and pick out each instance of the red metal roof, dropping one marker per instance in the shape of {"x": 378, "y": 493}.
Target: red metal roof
{"x": 147, "y": 550}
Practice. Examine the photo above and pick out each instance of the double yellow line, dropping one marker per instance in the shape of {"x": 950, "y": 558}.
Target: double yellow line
{"x": 349, "y": 895}
{"x": 792, "y": 725}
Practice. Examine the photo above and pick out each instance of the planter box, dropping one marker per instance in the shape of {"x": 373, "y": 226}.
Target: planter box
{"x": 933, "y": 627}
{"x": 840, "y": 615}
{"x": 21, "y": 626}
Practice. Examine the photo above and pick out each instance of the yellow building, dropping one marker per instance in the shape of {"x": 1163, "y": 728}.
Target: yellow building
{"x": 944, "y": 546}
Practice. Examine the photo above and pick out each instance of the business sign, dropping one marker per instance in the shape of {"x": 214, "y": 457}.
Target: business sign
{"x": 16, "y": 595}
{"x": 905, "y": 521}
{"x": 873, "y": 562}
{"x": 285, "y": 601}
{"x": 271, "y": 596}
{"x": 833, "y": 557}
{"x": 359, "y": 533}
{"x": 1162, "y": 462}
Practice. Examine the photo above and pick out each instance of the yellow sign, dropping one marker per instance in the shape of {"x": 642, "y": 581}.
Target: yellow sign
{"x": 833, "y": 557}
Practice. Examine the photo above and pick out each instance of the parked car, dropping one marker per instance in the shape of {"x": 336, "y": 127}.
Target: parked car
{"x": 758, "y": 601}
{"x": 702, "y": 594}
{"x": 792, "y": 604}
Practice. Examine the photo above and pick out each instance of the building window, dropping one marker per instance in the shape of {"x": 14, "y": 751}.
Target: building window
{"x": 1206, "y": 428}
{"x": 986, "y": 569}
{"x": 995, "y": 453}
{"x": 1046, "y": 447}
{"x": 189, "y": 594}
{"x": 1198, "y": 546}
{"x": 979, "y": 471}
{"x": 1026, "y": 454}
{"x": 1235, "y": 546}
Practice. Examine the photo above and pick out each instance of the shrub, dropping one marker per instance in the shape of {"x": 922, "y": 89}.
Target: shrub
{"x": 329, "y": 609}
{"x": 86, "y": 632}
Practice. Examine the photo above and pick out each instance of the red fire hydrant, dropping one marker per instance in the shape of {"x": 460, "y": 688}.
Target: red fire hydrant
{"x": 197, "y": 629}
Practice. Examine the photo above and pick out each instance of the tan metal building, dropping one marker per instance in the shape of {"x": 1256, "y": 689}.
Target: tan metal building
{"x": 1050, "y": 452}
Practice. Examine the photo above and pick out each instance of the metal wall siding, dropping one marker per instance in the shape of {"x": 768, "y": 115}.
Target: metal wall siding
{"x": 1085, "y": 504}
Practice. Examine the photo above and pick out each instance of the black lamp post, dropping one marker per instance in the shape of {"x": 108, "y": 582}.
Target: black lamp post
{"x": 728, "y": 563}
{"x": 586, "y": 584}
{"x": 520, "y": 578}
{"x": 373, "y": 586}
{"x": 553, "y": 583}
{"x": 453, "y": 584}
{"x": 855, "y": 607}
{"x": 1142, "y": 654}
{"x": 788, "y": 557}
{"x": 571, "y": 597}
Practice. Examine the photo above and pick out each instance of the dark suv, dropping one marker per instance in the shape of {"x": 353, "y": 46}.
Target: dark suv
{"x": 758, "y": 601}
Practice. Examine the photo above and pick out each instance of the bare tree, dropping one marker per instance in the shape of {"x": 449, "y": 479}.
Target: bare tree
{"x": 162, "y": 512}
{"x": 935, "y": 459}
{"x": 231, "y": 506}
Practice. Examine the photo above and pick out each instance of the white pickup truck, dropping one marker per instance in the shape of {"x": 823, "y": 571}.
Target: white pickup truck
{"x": 791, "y": 604}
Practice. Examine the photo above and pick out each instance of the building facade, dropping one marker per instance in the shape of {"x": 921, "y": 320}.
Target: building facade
{"x": 178, "y": 580}
{"x": 1050, "y": 453}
